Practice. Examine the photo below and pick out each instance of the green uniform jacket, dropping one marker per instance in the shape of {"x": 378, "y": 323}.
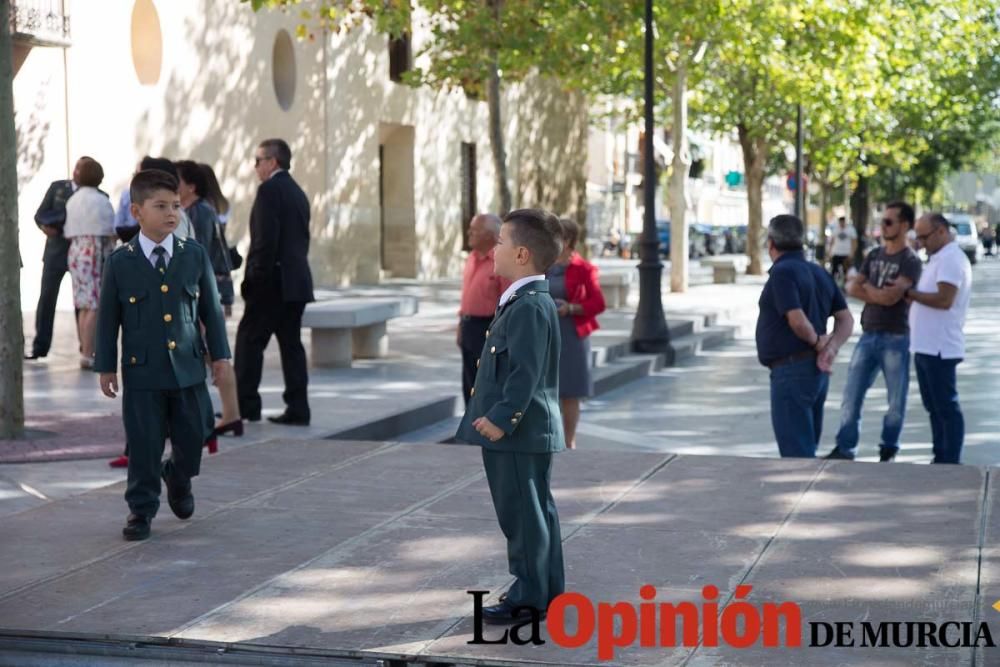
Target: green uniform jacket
{"x": 517, "y": 384}
{"x": 162, "y": 347}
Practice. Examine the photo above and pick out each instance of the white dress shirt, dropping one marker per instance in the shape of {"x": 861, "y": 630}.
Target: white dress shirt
{"x": 147, "y": 244}
{"x": 516, "y": 285}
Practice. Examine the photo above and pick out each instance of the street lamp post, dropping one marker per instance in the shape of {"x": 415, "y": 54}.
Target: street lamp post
{"x": 800, "y": 191}
{"x": 650, "y": 334}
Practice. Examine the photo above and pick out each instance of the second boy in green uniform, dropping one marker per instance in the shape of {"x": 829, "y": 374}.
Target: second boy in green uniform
{"x": 513, "y": 414}
{"x": 156, "y": 290}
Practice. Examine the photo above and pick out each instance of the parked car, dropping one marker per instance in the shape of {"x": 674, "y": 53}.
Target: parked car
{"x": 966, "y": 235}
{"x": 696, "y": 238}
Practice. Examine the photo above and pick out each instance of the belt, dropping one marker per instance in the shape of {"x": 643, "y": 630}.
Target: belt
{"x": 792, "y": 358}
{"x": 477, "y": 318}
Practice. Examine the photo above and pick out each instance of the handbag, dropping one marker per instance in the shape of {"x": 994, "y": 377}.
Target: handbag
{"x": 231, "y": 254}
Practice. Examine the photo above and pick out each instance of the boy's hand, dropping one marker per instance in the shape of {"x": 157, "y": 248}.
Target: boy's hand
{"x": 487, "y": 429}
{"x": 109, "y": 384}
{"x": 219, "y": 366}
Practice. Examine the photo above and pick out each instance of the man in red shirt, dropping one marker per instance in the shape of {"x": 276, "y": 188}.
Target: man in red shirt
{"x": 481, "y": 290}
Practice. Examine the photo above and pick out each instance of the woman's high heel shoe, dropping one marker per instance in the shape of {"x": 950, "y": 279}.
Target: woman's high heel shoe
{"x": 212, "y": 444}
{"x": 234, "y": 427}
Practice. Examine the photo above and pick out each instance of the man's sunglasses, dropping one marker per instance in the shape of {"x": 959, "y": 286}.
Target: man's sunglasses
{"x": 257, "y": 160}
{"x": 888, "y": 222}
{"x": 924, "y": 237}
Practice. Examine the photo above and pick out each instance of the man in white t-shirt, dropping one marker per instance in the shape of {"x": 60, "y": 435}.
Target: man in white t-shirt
{"x": 940, "y": 302}
{"x": 843, "y": 243}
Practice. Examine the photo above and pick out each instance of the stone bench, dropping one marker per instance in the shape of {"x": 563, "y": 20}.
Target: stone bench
{"x": 615, "y": 287}
{"x": 724, "y": 269}
{"x": 353, "y": 328}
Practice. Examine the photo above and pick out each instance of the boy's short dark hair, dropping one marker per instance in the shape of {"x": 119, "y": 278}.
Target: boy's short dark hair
{"x": 191, "y": 172}
{"x": 147, "y": 182}
{"x": 906, "y": 213}
{"x": 279, "y": 150}
{"x": 91, "y": 173}
{"x": 539, "y": 231}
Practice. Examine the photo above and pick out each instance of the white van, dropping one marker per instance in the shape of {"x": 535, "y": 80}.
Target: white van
{"x": 964, "y": 229}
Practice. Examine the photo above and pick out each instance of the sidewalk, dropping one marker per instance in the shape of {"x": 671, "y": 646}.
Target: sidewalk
{"x": 345, "y": 553}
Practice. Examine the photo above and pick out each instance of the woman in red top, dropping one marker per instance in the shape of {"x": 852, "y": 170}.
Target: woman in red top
{"x": 573, "y": 284}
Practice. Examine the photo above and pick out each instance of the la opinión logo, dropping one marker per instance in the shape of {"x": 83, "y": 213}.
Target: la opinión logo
{"x": 740, "y": 625}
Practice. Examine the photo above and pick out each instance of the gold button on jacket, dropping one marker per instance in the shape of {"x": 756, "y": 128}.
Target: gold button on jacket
{"x": 171, "y": 345}
{"x": 164, "y": 289}
{"x": 131, "y": 299}
{"x": 168, "y": 317}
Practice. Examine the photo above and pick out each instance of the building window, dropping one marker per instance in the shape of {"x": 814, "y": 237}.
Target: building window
{"x": 147, "y": 42}
{"x": 400, "y": 57}
{"x": 468, "y": 177}
{"x": 283, "y": 69}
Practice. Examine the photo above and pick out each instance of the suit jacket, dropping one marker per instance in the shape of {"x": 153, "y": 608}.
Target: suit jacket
{"x": 158, "y": 315}
{"x": 517, "y": 384}
{"x": 279, "y": 241}
{"x": 52, "y": 212}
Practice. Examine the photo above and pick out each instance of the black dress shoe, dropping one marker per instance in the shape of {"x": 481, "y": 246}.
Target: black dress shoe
{"x": 31, "y": 356}
{"x": 137, "y": 527}
{"x": 506, "y": 613}
{"x": 837, "y": 455}
{"x": 289, "y": 420}
{"x": 886, "y": 454}
{"x": 179, "y": 496}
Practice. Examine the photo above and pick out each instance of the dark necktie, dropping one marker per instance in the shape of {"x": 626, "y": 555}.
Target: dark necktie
{"x": 161, "y": 258}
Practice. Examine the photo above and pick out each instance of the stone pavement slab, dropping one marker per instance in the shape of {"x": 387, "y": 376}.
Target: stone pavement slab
{"x": 367, "y": 550}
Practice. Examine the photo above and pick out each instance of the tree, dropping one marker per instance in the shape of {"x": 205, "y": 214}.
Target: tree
{"x": 12, "y": 344}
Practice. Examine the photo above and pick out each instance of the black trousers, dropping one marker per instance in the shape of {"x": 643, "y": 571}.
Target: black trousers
{"x": 473, "y": 338}
{"x": 45, "y": 313}
{"x": 266, "y": 315}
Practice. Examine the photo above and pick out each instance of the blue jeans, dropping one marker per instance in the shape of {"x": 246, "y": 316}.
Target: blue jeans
{"x": 939, "y": 393}
{"x": 875, "y": 351}
{"x": 798, "y": 391}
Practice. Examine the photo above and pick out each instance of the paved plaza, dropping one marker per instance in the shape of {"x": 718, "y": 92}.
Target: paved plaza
{"x": 307, "y": 550}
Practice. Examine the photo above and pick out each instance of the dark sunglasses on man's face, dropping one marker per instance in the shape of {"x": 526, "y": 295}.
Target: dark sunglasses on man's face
{"x": 257, "y": 160}
{"x": 888, "y": 222}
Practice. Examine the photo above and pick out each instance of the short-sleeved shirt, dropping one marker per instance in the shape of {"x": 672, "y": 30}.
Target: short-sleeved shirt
{"x": 795, "y": 283}
{"x": 939, "y": 332}
{"x": 880, "y": 268}
{"x": 842, "y": 237}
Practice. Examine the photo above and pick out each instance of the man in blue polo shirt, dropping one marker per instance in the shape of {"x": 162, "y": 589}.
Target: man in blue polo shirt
{"x": 792, "y": 341}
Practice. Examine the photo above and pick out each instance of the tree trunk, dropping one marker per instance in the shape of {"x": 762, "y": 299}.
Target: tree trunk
{"x": 678, "y": 185}
{"x": 496, "y": 122}
{"x": 859, "y": 215}
{"x": 12, "y": 339}
{"x": 754, "y": 164}
{"x": 825, "y": 194}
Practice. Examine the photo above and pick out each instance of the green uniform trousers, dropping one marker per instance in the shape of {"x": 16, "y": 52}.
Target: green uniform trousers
{"x": 522, "y": 497}
{"x": 150, "y": 416}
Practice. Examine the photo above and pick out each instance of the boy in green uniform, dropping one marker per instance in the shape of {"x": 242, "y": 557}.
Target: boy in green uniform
{"x": 513, "y": 414}
{"x": 156, "y": 289}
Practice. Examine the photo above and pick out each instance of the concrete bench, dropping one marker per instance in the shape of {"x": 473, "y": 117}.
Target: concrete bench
{"x": 353, "y": 328}
{"x": 615, "y": 287}
{"x": 724, "y": 269}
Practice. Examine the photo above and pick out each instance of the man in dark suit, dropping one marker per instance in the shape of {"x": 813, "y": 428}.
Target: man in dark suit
{"x": 50, "y": 218}
{"x": 276, "y": 287}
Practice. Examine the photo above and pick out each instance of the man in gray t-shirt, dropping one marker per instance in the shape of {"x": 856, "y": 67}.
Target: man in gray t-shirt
{"x": 885, "y": 344}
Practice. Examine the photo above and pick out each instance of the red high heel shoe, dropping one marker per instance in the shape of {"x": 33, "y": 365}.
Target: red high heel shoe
{"x": 120, "y": 462}
{"x": 234, "y": 427}
{"x": 213, "y": 445}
